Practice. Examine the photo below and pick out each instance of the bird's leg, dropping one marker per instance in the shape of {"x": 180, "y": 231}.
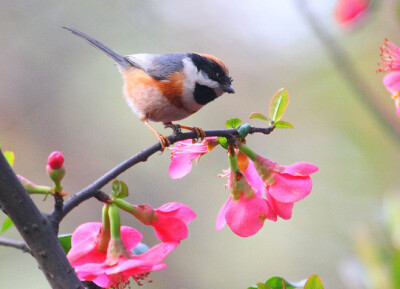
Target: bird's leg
{"x": 162, "y": 139}
{"x": 177, "y": 129}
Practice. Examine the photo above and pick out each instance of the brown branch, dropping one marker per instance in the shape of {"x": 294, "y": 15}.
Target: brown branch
{"x": 14, "y": 244}
{"x": 91, "y": 190}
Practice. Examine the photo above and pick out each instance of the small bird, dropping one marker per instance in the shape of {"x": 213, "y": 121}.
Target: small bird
{"x": 168, "y": 87}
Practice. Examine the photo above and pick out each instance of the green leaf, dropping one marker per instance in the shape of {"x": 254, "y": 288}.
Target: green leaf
{"x": 314, "y": 282}
{"x": 258, "y": 115}
{"x": 65, "y": 241}
{"x": 278, "y": 105}
{"x": 10, "y": 157}
{"x": 120, "y": 189}
{"x": 223, "y": 142}
{"x": 233, "y": 123}
{"x": 279, "y": 283}
{"x": 244, "y": 130}
{"x": 262, "y": 286}
{"x": 7, "y": 224}
{"x": 283, "y": 124}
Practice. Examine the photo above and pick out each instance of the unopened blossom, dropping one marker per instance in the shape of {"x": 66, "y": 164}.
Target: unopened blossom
{"x": 55, "y": 160}
{"x": 90, "y": 259}
{"x": 185, "y": 152}
{"x": 350, "y": 11}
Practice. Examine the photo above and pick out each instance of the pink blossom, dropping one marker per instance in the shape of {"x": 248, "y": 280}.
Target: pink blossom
{"x": 172, "y": 220}
{"x": 185, "y": 152}
{"x": 286, "y": 184}
{"x": 245, "y": 210}
{"x": 90, "y": 261}
{"x": 350, "y": 11}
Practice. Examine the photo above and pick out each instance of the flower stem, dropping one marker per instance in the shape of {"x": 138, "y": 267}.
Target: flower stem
{"x": 105, "y": 218}
{"x": 248, "y": 152}
{"x": 115, "y": 222}
{"x": 124, "y": 205}
{"x": 233, "y": 162}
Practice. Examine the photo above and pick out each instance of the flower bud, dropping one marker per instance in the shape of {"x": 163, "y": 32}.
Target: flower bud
{"x": 55, "y": 167}
{"x": 55, "y": 160}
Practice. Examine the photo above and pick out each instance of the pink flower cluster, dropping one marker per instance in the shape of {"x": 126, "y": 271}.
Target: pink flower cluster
{"x": 276, "y": 188}
{"x": 260, "y": 190}
{"x": 108, "y": 261}
{"x": 91, "y": 264}
{"x": 390, "y": 61}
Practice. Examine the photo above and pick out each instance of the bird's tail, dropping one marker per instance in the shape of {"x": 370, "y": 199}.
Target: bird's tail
{"x": 119, "y": 59}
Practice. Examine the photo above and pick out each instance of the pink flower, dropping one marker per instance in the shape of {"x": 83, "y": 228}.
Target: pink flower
{"x": 172, "y": 220}
{"x": 245, "y": 210}
{"x": 55, "y": 160}
{"x": 349, "y": 11}
{"x": 185, "y": 152}
{"x": 286, "y": 184}
{"x": 90, "y": 260}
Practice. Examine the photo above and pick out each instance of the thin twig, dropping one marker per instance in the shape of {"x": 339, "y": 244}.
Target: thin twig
{"x": 91, "y": 190}
{"x": 14, "y": 244}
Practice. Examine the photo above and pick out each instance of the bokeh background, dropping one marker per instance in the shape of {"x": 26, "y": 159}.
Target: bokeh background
{"x": 59, "y": 93}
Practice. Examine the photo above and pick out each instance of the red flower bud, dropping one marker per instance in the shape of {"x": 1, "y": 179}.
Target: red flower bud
{"x": 55, "y": 160}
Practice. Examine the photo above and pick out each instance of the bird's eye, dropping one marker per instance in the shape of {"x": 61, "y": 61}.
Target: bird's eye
{"x": 218, "y": 74}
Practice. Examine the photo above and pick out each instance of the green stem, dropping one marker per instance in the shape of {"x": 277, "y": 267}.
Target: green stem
{"x": 38, "y": 190}
{"x": 233, "y": 162}
{"x": 115, "y": 222}
{"x": 248, "y": 152}
{"x": 124, "y": 205}
{"x": 106, "y": 218}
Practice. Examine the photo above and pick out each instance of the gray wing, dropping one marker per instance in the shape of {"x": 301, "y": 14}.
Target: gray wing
{"x": 158, "y": 66}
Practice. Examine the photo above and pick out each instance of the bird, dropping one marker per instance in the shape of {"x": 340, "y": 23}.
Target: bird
{"x": 168, "y": 87}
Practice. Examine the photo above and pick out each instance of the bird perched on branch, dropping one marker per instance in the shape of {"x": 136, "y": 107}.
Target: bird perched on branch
{"x": 168, "y": 87}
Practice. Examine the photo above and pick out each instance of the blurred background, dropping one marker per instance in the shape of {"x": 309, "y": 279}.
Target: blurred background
{"x": 59, "y": 93}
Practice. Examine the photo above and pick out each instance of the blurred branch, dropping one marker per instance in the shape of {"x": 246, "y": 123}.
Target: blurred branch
{"x": 343, "y": 64}
{"x": 14, "y": 244}
{"x": 93, "y": 189}
{"x": 36, "y": 230}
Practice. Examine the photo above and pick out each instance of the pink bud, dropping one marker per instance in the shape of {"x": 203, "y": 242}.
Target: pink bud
{"x": 55, "y": 160}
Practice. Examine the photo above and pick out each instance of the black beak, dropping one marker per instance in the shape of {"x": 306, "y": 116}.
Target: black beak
{"x": 227, "y": 88}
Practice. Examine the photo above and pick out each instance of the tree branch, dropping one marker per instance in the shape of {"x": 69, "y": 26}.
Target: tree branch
{"x": 36, "y": 230}
{"x": 14, "y": 244}
{"x": 91, "y": 190}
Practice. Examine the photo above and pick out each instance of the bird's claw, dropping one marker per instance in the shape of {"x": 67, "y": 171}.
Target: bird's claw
{"x": 164, "y": 142}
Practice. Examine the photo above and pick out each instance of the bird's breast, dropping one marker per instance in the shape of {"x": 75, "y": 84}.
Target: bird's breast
{"x": 158, "y": 100}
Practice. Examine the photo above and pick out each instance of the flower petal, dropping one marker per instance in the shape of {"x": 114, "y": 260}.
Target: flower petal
{"x": 288, "y": 189}
{"x": 246, "y": 216}
{"x": 283, "y": 210}
{"x": 392, "y": 82}
{"x": 181, "y": 165}
{"x": 254, "y": 179}
{"x": 177, "y": 210}
{"x": 169, "y": 229}
{"x": 86, "y": 232}
{"x": 221, "y": 221}
{"x": 131, "y": 237}
{"x": 300, "y": 169}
